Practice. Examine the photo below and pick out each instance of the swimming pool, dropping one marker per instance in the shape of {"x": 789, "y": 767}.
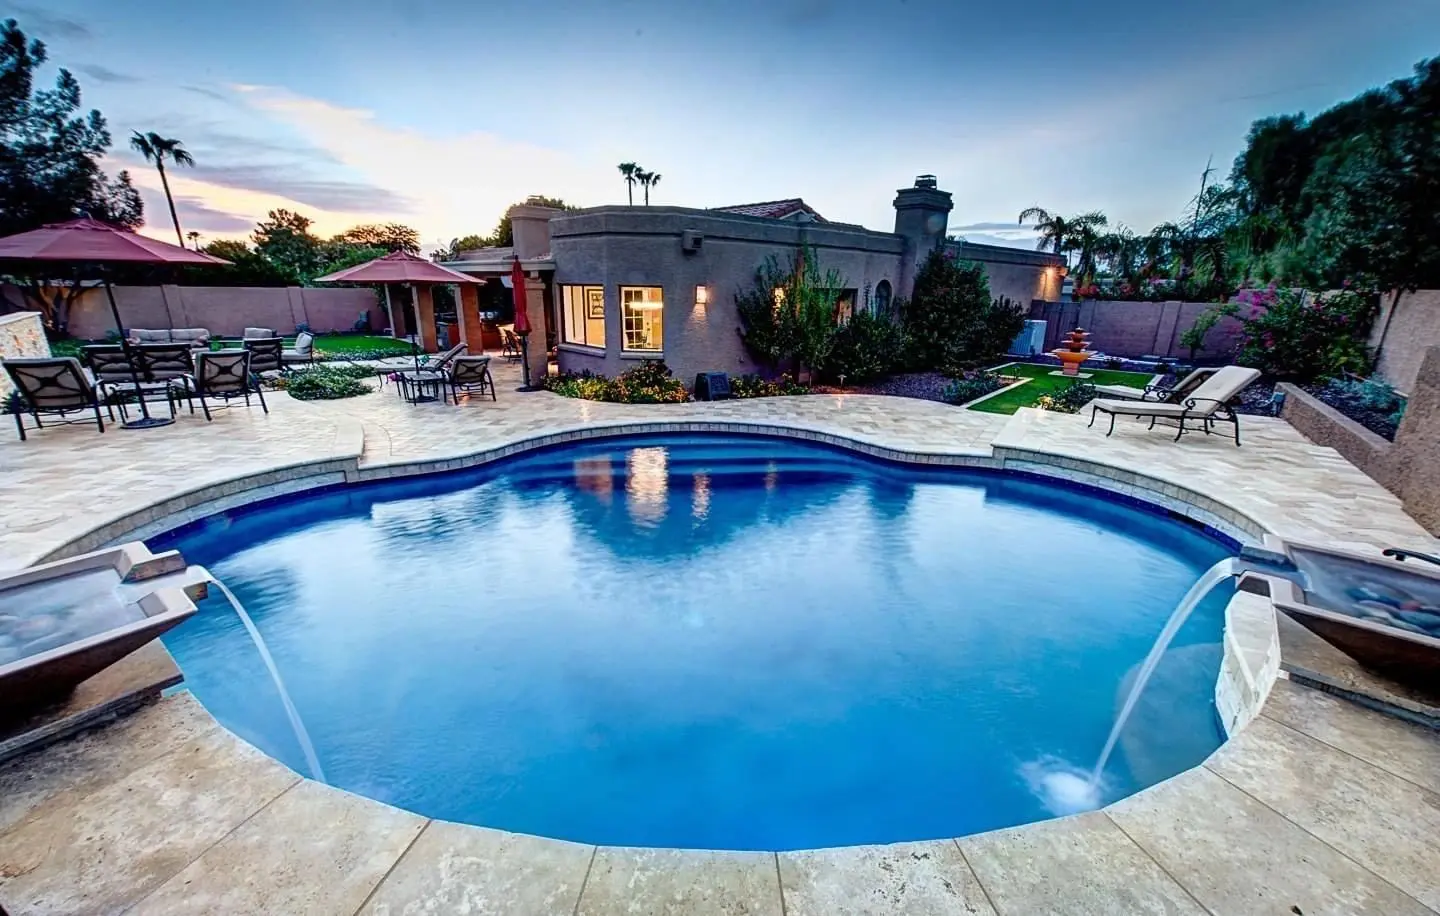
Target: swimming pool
{"x": 711, "y": 642}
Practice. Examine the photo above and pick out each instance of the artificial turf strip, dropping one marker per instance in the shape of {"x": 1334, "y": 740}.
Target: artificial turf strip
{"x": 1043, "y": 383}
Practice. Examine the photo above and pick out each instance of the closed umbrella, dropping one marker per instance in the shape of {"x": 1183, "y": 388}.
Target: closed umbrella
{"x": 522, "y": 320}
{"x": 89, "y": 241}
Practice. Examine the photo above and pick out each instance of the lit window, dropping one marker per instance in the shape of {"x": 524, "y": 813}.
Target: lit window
{"x": 642, "y": 310}
{"x": 583, "y": 315}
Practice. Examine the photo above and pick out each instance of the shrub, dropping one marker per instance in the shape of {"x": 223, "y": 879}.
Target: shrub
{"x": 585, "y": 385}
{"x": 1068, "y": 399}
{"x": 753, "y": 386}
{"x": 649, "y": 383}
{"x": 788, "y": 316}
{"x": 1370, "y": 401}
{"x": 1291, "y": 334}
{"x": 952, "y": 322}
{"x": 866, "y": 348}
{"x": 325, "y": 383}
{"x": 970, "y": 385}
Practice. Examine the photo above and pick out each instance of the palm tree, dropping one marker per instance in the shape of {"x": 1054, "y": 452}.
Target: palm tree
{"x": 631, "y": 173}
{"x": 1078, "y": 234}
{"x": 194, "y": 238}
{"x": 647, "y": 181}
{"x": 157, "y": 149}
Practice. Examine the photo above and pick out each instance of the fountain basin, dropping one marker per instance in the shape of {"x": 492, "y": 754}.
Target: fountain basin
{"x": 63, "y": 622}
{"x": 1383, "y": 613}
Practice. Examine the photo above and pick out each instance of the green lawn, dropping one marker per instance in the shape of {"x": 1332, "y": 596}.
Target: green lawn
{"x": 358, "y": 346}
{"x": 1044, "y": 383}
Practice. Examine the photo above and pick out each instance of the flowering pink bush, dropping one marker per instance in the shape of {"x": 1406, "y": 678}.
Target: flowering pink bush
{"x": 1294, "y": 334}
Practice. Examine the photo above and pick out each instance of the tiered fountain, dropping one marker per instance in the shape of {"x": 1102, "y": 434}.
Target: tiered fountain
{"x": 1073, "y": 352}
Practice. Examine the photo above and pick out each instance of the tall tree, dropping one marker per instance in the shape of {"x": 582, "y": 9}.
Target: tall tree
{"x": 628, "y": 172}
{"x": 50, "y": 153}
{"x": 194, "y": 238}
{"x": 390, "y": 236}
{"x": 285, "y": 239}
{"x": 1077, "y": 235}
{"x": 157, "y": 149}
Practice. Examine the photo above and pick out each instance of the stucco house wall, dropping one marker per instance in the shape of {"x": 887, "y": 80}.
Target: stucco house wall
{"x": 633, "y": 246}
{"x": 1019, "y": 275}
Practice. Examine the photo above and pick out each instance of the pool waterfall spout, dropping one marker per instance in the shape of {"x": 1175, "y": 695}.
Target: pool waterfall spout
{"x": 1250, "y": 559}
{"x": 301, "y": 735}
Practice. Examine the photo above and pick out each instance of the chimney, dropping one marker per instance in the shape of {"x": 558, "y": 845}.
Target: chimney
{"x": 922, "y": 213}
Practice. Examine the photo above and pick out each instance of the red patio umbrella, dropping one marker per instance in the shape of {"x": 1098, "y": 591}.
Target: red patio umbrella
{"x": 522, "y": 319}
{"x": 87, "y": 240}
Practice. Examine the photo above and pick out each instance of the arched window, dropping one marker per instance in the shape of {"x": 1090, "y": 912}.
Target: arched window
{"x": 882, "y": 297}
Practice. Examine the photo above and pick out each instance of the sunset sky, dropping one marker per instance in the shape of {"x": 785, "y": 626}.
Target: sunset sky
{"x": 439, "y": 114}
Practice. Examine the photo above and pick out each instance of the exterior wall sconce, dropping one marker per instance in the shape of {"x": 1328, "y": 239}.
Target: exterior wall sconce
{"x": 702, "y": 296}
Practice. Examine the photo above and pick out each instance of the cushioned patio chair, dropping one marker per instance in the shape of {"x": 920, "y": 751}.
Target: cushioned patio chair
{"x": 302, "y": 353}
{"x": 226, "y": 375}
{"x": 267, "y": 354}
{"x": 107, "y": 363}
{"x": 1206, "y": 405}
{"x": 1172, "y": 395}
{"x": 52, "y": 385}
{"x": 471, "y": 374}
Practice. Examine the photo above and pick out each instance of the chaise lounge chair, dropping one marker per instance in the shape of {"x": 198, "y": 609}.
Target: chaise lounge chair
{"x": 471, "y": 374}
{"x": 1172, "y": 395}
{"x": 54, "y": 385}
{"x": 1206, "y": 405}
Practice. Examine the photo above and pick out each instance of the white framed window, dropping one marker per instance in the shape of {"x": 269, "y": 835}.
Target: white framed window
{"x": 582, "y": 315}
{"x": 642, "y": 316}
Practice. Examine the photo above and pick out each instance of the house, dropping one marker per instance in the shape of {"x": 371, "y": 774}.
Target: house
{"x": 615, "y": 285}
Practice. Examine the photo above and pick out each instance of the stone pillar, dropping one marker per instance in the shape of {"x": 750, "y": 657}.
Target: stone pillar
{"x": 539, "y": 359}
{"x": 425, "y": 317}
{"x": 470, "y": 328}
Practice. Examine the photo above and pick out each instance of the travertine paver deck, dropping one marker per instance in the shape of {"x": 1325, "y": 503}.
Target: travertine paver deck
{"x": 1318, "y": 807}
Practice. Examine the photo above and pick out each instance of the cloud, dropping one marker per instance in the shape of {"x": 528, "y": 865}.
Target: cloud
{"x": 984, "y": 238}
{"x": 987, "y": 227}
{"x": 449, "y": 184}
{"x": 106, "y": 75}
{"x": 322, "y": 193}
{"x": 48, "y": 24}
{"x": 213, "y": 94}
{"x": 194, "y": 215}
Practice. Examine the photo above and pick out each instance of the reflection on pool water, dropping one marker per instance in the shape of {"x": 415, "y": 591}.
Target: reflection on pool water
{"x": 735, "y": 643}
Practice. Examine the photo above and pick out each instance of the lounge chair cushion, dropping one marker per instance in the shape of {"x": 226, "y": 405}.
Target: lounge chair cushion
{"x": 1121, "y": 392}
{"x": 1214, "y": 393}
{"x": 304, "y": 341}
{"x": 259, "y": 333}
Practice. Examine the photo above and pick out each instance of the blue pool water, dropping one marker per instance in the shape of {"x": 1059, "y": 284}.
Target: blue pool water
{"x": 708, "y": 642}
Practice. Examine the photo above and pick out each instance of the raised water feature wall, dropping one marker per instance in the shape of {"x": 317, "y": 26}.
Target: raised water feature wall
{"x": 21, "y": 334}
{"x": 1406, "y": 467}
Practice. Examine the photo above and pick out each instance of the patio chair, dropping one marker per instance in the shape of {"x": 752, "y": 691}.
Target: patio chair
{"x": 510, "y": 346}
{"x": 52, "y": 385}
{"x": 173, "y": 363}
{"x": 267, "y": 354}
{"x": 1171, "y": 395}
{"x": 107, "y": 363}
{"x": 302, "y": 352}
{"x": 471, "y": 374}
{"x": 441, "y": 361}
{"x": 1208, "y": 404}
{"x": 226, "y": 375}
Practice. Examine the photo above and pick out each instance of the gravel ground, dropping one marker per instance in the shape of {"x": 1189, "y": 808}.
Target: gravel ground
{"x": 927, "y": 386}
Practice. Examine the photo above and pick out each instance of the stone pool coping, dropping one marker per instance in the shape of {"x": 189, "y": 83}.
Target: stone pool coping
{"x": 984, "y": 873}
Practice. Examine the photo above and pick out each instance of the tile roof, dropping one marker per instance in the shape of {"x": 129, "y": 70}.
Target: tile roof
{"x": 773, "y": 209}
